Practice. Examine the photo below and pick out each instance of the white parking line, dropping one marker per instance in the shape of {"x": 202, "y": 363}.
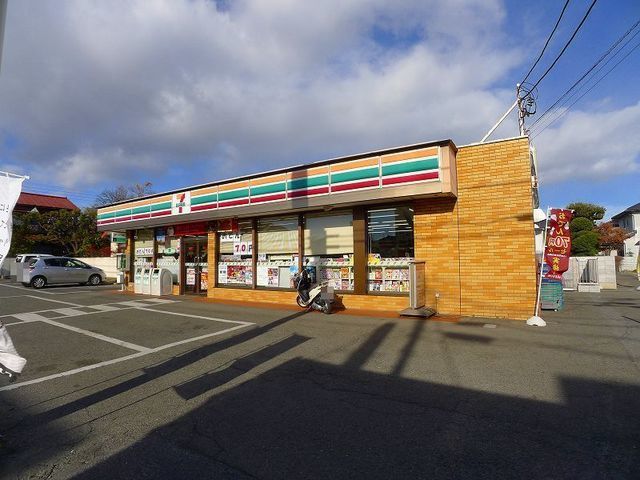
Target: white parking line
{"x": 66, "y": 292}
{"x": 121, "y": 359}
{"x": 69, "y": 312}
{"x": 27, "y": 317}
{"x": 122, "y": 343}
{"x": 197, "y": 316}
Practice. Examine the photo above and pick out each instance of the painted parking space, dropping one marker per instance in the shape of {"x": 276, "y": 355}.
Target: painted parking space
{"x": 60, "y": 337}
{"x": 50, "y": 350}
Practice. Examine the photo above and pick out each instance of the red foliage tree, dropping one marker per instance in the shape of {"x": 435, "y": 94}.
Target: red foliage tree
{"x": 611, "y": 237}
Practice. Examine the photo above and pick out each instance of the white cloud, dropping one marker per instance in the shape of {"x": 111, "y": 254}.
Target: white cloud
{"x": 108, "y": 90}
{"x": 590, "y": 145}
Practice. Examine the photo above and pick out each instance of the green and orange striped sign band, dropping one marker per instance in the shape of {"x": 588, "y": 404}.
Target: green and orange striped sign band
{"x": 335, "y": 179}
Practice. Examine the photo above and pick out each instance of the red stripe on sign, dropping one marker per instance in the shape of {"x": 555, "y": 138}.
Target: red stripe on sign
{"x": 355, "y": 185}
{"x": 268, "y": 198}
{"x": 102, "y": 222}
{"x": 410, "y": 178}
{"x": 142, "y": 215}
{"x": 233, "y": 203}
{"x": 159, "y": 214}
{"x": 309, "y": 191}
{"x": 195, "y": 208}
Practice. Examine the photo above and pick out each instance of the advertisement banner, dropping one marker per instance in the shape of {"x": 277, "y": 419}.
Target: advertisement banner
{"x": 558, "y": 247}
{"x": 10, "y": 188}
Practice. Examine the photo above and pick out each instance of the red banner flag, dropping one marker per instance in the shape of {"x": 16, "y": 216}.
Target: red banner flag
{"x": 558, "y": 247}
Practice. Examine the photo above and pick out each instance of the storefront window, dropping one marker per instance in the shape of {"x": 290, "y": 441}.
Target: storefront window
{"x": 143, "y": 248}
{"x": 235, "y": 263}
{"x": 277, "y": 251}
{"x": 328, "y": 247}
{"x": 168, "y": 254}
{"x": 390, "y": 243}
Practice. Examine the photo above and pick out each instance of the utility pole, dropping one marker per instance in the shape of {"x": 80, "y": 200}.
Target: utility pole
{"x": 521, "y": 111}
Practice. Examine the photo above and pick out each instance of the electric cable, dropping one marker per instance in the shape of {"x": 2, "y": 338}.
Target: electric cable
{"x": 600, "y": 60}
{"x": 591, "y": 88}
{"x": 575, "y": 32}
{"x": 546, "y": 43}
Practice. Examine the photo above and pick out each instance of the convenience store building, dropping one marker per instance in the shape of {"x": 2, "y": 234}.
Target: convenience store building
{"x": 359, "y": 221}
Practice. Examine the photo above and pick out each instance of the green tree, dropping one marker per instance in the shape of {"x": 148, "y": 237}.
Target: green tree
{"x": 584, "y": 240}
{"x": 586, "y": 245}
{"x": 590, "y": 211}
{"x": 74, "y": 230}
{"x": 580, "y": 225}
{"x": 26, "y": 233}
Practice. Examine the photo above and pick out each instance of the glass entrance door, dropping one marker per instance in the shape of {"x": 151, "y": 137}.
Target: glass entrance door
{"x": 196, "y": 267}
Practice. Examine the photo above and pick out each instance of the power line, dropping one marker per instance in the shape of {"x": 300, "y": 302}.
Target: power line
{"x": 546, "y": 43}
{"x": 591, "y": 88}
{"x": 575, "y": 32}
{"x": 603, "y": 57}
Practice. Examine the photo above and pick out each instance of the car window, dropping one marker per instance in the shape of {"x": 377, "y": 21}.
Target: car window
{"x": 18, "y": 258}
{"x": 72, "y": 263}
{"x": 52, "y": 262}
{"x": 33, "y": 262}
{"x": 28, "y": 257}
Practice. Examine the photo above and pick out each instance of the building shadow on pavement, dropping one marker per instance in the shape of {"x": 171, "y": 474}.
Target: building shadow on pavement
{"x": 307, "y": 419}
{"x": 310, "y": 419}
{"x": 315, "y": 419}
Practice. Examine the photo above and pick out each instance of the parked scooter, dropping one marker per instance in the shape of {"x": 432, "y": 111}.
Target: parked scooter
{"x": 311, "y": 298}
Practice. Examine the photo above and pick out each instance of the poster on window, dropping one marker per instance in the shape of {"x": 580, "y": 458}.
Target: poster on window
{"x": 558, "y": 247}
{"x": 204, "y": 280}
{"x": 237, "y": 274}
{"x": 191, "y": 276}
{"x": 242, "y": 248}
{"x": 262, "y": 275}
{"x": 222, "y": 273}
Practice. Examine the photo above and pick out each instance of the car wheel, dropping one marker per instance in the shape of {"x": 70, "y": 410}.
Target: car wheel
{"x": 38, "y": 282}
{"x": 95, "y": 280}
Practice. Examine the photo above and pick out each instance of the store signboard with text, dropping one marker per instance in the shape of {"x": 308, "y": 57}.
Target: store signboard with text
{"x": 558, "y": 245}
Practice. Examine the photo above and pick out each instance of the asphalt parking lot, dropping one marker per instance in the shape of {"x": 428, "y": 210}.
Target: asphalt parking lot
{"x": 127, "y": 386}
{"x": 63, "y": 331}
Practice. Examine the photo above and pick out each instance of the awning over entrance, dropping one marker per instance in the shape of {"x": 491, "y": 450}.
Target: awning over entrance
{"x": 405, "y": 172}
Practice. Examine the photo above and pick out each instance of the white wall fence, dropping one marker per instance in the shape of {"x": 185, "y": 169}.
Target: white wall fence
{"x": 108, "y": 264}
{"x": 628, "y": 264}
{"x": 605, "y": 275}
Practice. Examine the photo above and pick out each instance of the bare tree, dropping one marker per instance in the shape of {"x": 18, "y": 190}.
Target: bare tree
{"x": 122, "y": 192}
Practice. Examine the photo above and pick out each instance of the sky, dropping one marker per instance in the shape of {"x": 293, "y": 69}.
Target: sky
{"x": 94, "y": 94}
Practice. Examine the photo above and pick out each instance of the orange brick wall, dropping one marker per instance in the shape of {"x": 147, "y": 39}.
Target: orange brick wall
{"x": 479, "y": 249}
{"x": 435, "y": 224}
{"x": 358, "y": 302}
{"x": 497, "y": 251}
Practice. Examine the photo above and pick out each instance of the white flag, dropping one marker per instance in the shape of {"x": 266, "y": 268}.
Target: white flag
{"x": 9, "y": 192}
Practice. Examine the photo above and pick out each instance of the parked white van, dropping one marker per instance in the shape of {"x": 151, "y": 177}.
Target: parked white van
{"x": 22, "y": 262}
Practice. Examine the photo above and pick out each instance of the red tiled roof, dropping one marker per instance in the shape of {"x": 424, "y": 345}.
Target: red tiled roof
{"x": 45, "y": 201}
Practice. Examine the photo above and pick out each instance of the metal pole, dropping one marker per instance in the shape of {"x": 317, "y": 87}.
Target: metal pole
{"x": 520, "y": 112}
{"x": 515, "y": 104}
{"x": 9, "y": 174}
{"x": 544, "y": 247}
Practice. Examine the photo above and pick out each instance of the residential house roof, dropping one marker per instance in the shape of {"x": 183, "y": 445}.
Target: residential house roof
{"x": 44, "y": 203}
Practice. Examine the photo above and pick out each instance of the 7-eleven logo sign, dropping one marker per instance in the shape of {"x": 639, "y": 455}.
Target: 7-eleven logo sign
{"x": 181, "y": 203}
